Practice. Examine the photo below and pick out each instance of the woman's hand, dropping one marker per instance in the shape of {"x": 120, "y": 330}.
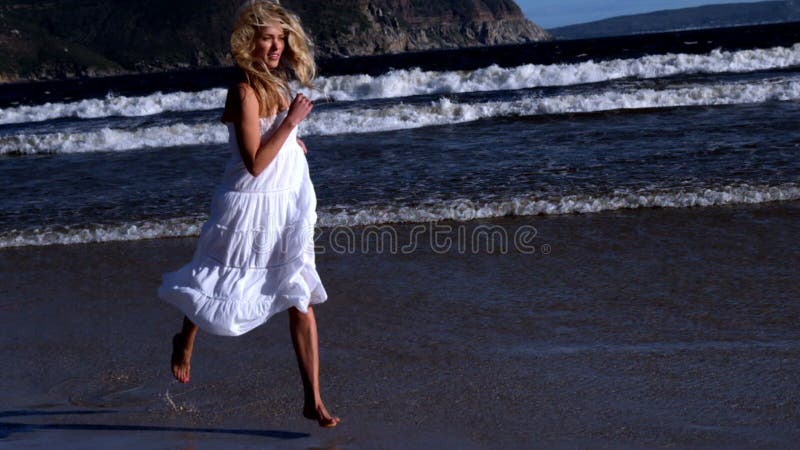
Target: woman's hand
{"x": 305, "y": 150}
{"x": 299, "y": 109}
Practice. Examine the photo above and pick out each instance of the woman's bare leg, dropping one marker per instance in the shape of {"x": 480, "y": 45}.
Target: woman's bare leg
{"x": 182, "y": 345}
{"x": 304, "y": 338}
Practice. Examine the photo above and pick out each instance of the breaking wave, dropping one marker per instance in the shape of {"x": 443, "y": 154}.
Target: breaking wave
{"x": 403, "y": 83}
{"x": 406, "y": 116}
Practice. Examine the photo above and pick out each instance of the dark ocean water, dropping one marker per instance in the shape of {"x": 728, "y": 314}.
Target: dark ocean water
{"x": 679, "y": 129}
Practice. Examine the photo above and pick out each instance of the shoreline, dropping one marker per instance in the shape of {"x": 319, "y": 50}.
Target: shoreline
{"x": 468, "y": 212}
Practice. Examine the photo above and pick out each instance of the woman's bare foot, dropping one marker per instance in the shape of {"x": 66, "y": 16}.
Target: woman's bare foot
{"x": 181, "y": 357}
{"x": 320, "y": 414}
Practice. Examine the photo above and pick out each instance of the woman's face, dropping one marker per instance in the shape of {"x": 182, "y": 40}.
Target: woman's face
{"x": 270, "y": 41}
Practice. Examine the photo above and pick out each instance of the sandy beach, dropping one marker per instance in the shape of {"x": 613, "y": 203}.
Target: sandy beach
{"x": 627, "y": 329}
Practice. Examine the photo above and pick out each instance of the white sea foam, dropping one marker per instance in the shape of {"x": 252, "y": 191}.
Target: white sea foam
{"x": 433, "y": 210}
{"x": 532, "y": 205}
{"x": 406, "y": 116}
{"x": 109, "y": 139}
{"x": 401, "y": 83}
{"x": 117, "y": 105}
{"x": 102, "y": 233}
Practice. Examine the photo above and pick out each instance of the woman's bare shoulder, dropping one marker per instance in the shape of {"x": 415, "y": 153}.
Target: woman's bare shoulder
{"x": 242, "y": 93}
{"x": 240, "y": 96}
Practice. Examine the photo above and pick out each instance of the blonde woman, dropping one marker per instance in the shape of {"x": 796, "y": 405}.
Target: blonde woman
{"x": 255, "y": 254}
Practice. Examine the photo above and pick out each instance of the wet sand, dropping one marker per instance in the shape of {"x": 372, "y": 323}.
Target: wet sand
{"x": 630, "y": 329}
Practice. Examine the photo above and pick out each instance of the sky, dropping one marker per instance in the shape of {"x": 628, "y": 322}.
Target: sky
{"x": 556, "y": 13}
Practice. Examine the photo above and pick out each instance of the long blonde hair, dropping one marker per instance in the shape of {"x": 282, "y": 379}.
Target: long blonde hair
{"x": 296, "y": 61}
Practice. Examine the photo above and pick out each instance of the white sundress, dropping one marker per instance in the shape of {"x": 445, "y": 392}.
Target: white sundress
{"x": 255, "y": 254}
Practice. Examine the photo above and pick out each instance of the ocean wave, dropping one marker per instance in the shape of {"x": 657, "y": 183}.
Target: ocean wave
{"x": 110, "y": 139}
{"x": 403, "y": 83}
{"x": 117, "y": 105}
{"x": 406, "y": 116}
{"x": 409, "y": 82}
{"x": 133, "y": 231}
{"x": 458, "y": 209}
{"x": 534, "y": 205}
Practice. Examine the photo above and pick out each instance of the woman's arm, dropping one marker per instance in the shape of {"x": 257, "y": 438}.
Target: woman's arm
{"x": 255, "y": 155}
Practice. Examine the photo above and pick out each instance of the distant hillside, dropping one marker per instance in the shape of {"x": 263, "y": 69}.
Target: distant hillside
{"x": 59, "y": 39}
{"x": 709, "y": 16}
